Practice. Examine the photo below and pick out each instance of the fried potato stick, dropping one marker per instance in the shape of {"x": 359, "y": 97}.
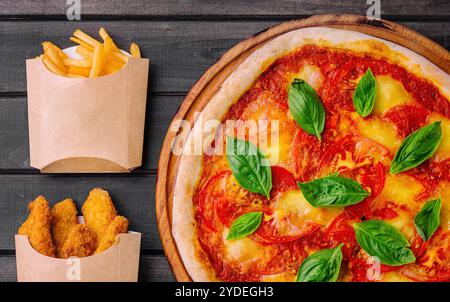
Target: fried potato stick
{"x": 85, "y": 53}
{"x": 47, "y": 44}
{"x": 37, "y": 227}
{"x": 98, "y": 60}
{"x": 53, "y": 55}
{"x": 99, "y": 212}
{"x": 80, "y": 242}
{"x": 118, "y": 226}
{"x": 51, "y": 66}
{"x": 64, "y": 219}
{"x": 85, "y": 38}
{"x": 135, "y": 51}
{"x": 79, "y": 71}
{"x": 82, "y": 43}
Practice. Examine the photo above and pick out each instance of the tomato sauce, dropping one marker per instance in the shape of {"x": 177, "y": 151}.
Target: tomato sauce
{"x": 218, "y": 200}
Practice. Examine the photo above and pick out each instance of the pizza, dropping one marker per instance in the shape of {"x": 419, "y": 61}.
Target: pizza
{"x": 348, "y": 180}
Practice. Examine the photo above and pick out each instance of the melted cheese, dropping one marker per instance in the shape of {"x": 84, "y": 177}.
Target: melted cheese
{"x": 293, "y": 206}
{"x": 244, "y": 250}
{"x": 390, "y": 93}
{"x": 380, "y": 131}
{"x": 276, "y": 146}
{"x": 311, "y": 74}
{"x": 273, "y": 131}
{"x": 404, "y": 223}
{"x": 281, "y": 277}
{"x": 443, "y": 151}
{"x": 403, "y": 189}
{"x": 444, "y": 194}
{"x": 394, "y": 277}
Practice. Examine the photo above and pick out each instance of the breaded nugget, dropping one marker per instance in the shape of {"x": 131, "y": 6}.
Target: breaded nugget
{"x": 80, "y": 242}
{"x": 37, "y": 227}
{"x": 64, "y": 218}
{"x": 119, "y": 225}
{"x": 98, "y": 212}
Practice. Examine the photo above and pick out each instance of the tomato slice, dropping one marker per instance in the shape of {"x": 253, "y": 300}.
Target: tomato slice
{"x": 372, "y": 179}
{"x": 360, "y": 267}
{"x": 423, "y": 274}
{"x": 407, "y": 118}
{"x": 433, "y": 258}
{"x": 268, "y": 233}
{"x": 349, "y": 153}
{"x": 221, "y": 200}
{"x": 340, "y": 230}
{"x": 356, "y": 157}
{"x": 305, "y": 155}
{"x": 335, "y": 150}
{"x": 282, "y": 180}
{"x": 340, "y": 83}
{"x": 205, "y": 198}
{"x": 233, "y": 201}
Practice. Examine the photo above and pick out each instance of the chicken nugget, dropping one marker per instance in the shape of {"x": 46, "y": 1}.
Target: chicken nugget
{"x": 37, "y": 227}
{"x": 64, "y": 218}
{"x": 119, "y": 225}
{"x": 98, "y": 212}
{"x": 80, "y": 242}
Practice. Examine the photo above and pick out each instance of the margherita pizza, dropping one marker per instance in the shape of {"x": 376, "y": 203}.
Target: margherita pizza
{"x": 347, "y": 177}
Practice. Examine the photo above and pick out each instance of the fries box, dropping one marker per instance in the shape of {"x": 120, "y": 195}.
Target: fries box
{"x": 86, "y": 124}
{"x": 118, "y": 263}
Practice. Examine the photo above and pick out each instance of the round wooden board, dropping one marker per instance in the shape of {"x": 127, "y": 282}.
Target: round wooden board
{"x": 208, "y": 84}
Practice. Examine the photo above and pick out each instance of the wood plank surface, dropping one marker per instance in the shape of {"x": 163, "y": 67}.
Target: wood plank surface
{"x": 152, "y": 268}
{"x": 220, "y": 8}
{"x": 14, "y": 153}
{"x": 180, "y": 51}
{"x": 133, "y": 195}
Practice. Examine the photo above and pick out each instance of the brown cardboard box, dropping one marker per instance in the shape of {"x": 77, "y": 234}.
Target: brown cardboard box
{"x": 118, "y": 263}
{"x": 86, "y": 125}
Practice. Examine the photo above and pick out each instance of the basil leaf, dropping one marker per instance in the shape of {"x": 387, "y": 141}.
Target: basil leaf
{"x": 322, "y": 266}
{"x": 249, "y": 167}
{"x": 244, "y": 225}
{"x": 306, "y": 108}
{"x": 417, "y": 147}
{"x": 384, "y": 241}
{"x": 332, "y": 191}
{"x": 427, "y": 220}
{"x": 365, "y": 93}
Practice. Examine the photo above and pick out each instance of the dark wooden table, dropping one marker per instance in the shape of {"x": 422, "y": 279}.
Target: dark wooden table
{"x": 181, "y": 38}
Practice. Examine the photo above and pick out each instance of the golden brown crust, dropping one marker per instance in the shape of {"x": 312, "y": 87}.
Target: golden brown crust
{"x": 118, "y": 226}
{"x": 80, "y": 242}
{"x": 37, "y": 227}
{"x": 64, "y": 218}
{"x": 98, "y": 212}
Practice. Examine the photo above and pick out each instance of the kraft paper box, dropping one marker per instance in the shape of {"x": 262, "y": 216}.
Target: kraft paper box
{"x": 118, "y": 263}
{"x": 86, "y": 125}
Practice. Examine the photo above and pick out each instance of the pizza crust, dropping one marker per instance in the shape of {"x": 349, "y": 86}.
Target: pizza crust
{"x": 189, "y": 170}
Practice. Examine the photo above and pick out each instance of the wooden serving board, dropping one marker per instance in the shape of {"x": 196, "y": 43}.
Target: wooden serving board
{"x": 205, "y": 88}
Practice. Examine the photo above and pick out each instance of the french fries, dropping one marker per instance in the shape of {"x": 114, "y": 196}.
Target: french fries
{"x": 82, "y": 43}
{"x": 97, "y": 58}
{"x": 51, "y": 66}
{"x": 135, "y": 51}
